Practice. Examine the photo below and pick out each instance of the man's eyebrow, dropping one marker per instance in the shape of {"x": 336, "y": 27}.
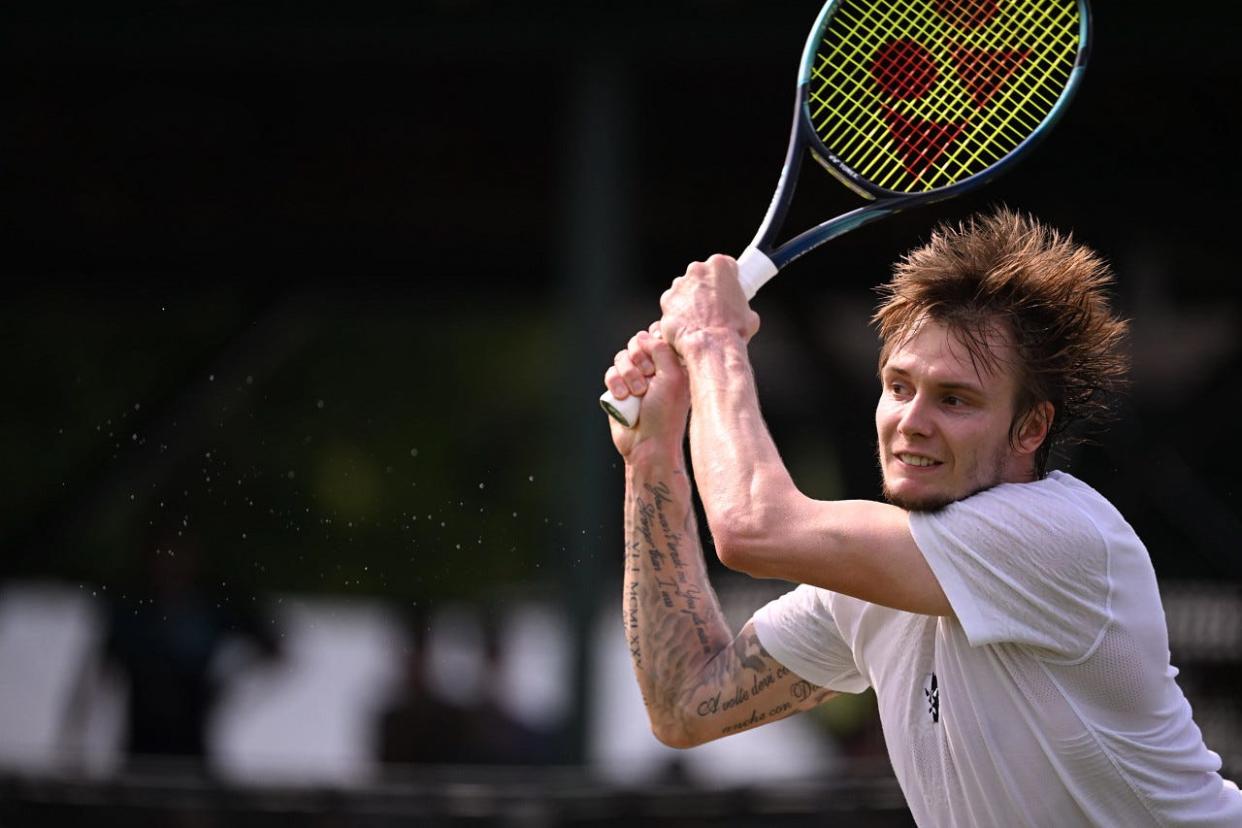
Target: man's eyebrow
{"x": 960, "y": 386}
{"x": 943, "y": 385}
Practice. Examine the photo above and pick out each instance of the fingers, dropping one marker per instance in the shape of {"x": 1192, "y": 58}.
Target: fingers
{"x": 640, "y": 353}
{"x": 633, "y": 365}
{"x": 624, "y": 378}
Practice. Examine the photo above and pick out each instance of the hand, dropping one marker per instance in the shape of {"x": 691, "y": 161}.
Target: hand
{"x": 648, "y": 367}
{"x": 708, "y": 296}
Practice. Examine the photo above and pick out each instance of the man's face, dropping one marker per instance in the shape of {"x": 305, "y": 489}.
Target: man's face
{"x": 943, "y": 422}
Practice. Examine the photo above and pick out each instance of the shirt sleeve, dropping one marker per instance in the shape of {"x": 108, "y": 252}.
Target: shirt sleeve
{"x": 799, "y": 631}
{"x": 1023, "y": 564}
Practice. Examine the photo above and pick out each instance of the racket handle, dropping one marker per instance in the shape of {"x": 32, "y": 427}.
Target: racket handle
{"x": 754, "y": 269}
{"x": 624, "y": 411}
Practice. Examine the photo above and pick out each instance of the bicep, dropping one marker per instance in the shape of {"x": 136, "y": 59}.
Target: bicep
{"x": 744, "y": 687}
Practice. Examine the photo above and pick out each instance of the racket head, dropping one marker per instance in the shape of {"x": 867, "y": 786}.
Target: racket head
{"x": 920, "y": 99}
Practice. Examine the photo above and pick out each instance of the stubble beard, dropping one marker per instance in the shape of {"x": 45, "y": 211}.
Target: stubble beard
{"x": 927, "y": 504}
{"x": 937, "y": 501}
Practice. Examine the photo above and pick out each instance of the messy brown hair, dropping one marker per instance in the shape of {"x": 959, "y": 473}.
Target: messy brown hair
{"x": 1007, "y": 269}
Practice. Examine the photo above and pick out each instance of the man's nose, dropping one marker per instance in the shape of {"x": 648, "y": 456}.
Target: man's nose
{"x": 915, "y": 418}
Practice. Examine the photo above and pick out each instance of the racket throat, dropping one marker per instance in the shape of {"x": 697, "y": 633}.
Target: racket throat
{"x": 842, "y": 173}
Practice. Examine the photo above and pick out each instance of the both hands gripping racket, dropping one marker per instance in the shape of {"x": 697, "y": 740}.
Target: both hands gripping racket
{"x": 907, "y": 102}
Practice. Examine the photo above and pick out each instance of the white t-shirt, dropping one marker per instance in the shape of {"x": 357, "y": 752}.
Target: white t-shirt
{"x": 1049, "y": 700}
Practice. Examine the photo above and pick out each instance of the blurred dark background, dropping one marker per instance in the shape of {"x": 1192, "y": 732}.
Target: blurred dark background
{"x": 318, "y": 296}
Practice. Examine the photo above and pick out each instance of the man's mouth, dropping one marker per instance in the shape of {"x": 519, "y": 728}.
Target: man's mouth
{"x": 916, "y": 460}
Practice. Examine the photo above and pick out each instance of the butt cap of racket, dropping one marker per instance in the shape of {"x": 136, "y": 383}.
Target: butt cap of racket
{"x": 624, "y": 411}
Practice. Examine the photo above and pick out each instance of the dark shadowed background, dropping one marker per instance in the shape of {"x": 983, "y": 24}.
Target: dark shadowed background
{"x": 319, "y": 296}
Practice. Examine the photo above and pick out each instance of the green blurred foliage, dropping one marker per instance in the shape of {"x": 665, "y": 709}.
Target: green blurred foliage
{"x": 395, "y": 451}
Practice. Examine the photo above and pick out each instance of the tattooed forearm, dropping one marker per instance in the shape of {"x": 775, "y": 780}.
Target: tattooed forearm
{"x": 673, "y": 621}
{"x": 698, "y": 681}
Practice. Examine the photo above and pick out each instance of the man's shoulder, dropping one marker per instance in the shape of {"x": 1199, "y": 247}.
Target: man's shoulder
{"x": 1056, "y": 512}
{"x": 1059, "y": 495}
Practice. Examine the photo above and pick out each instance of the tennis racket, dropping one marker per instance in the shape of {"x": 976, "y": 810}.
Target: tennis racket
{"x": 907, "y": 102}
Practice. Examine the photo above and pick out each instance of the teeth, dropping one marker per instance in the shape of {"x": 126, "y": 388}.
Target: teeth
{"x": 916, "y": 460}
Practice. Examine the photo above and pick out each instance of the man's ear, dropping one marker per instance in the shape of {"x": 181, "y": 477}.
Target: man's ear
{"x": 1034, "y": 428}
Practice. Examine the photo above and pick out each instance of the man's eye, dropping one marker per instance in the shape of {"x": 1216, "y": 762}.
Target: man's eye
{"x": 953, "y": 401}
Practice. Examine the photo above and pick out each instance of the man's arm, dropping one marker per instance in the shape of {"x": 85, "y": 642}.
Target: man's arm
{"x": 761, "y": 523}
{"x": 698, "y": 681}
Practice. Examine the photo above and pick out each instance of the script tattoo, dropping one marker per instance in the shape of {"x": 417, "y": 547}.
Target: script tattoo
{"x": 672, "y": 619}
{"x": 689, "y": 667}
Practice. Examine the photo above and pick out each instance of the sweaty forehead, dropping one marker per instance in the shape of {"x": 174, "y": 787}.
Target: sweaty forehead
{"x": 942, "y": 354}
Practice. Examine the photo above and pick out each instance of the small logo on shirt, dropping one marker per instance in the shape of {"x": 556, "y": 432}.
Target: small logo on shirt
{"x": 931, "y": 693}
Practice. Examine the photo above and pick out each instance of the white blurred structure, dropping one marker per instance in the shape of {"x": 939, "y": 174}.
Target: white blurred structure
{"x": 625, "y": 752}
{"x": 49, "y": 634}
{"x": 311, "y": 716}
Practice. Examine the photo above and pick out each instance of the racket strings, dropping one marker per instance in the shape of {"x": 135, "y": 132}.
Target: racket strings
{"x": 917, "y": 160}
{"x": 907, "y": 130}
{"x": 922, "y": 141}
{"x": 919, "y": 94}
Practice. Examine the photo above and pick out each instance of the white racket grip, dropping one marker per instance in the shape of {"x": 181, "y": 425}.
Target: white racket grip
{"x": 754, "y": 269}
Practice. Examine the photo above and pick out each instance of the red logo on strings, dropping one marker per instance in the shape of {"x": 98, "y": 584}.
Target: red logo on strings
{"x": 920, "y": 142}
{"x": 905, "y": 70}
{"x": 984, "y": 71}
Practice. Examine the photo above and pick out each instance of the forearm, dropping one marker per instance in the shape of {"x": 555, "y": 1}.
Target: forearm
{"x": 746, "y": 489}
{"x": 673, "y": 621}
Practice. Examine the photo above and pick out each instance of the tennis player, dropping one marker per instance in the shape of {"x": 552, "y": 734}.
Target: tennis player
{"x": 1007, "y": 617}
